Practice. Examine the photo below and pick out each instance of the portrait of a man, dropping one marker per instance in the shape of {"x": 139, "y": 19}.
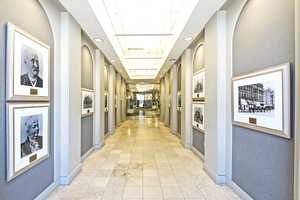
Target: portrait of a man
{"x": 31, "y": 68}
{"x": 31, "y": 134}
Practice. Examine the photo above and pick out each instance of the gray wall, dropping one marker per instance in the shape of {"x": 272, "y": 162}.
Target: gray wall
{"x": 262, "y": 163}
{"x": 29, "y": 16}
{"x": 87, "y": 65}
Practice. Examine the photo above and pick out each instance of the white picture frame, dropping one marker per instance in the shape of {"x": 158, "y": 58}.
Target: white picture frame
{"x": 261, "y": 101}
{"x": 198, "y": 116}
{"x": 27, "y": 66}
{"x": 28, "y": 136}
{"x": 199, "y": 86}
{"x": 87, "y": 102}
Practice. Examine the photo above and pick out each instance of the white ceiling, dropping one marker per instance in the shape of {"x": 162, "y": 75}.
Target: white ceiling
{"x": 142, "y": 38}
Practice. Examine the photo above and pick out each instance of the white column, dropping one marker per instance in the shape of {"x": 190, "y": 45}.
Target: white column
{"x": 111, "y": 99}
{"x": 70, "y": 159}
{"x": 162, "y": 99}
{"x": 99, "y": 99}
{"x": 186, "y": 90}
{"x": 216, "y": 101}
{"x": 167, "y": 99}
{"x": 174, "y": 90}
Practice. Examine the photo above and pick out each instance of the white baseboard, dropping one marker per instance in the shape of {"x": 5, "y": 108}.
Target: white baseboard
{"x": 198, "y": 153}
{"x": 66, "y": 180}
{"x": 48, "y": 191}
{"x": 218, "y": 179}
{"x": 87, "y": 154}
{"x": 239, "y": 191}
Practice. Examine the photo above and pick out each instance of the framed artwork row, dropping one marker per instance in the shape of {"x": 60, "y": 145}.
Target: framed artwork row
{"x": 87, "y": 102}
{"x": 27, "y": 101}
{"x": 261, "y": 100}
{"x": 198, "y": 116}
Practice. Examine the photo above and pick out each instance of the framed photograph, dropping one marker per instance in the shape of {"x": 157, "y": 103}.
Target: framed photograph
{"x": 116, "y": 102}
{"x": 105, "y": 101}
{"x": 179, "y": 101}
{"x": 28, "y": 136}
{"x": 28, "y": 66}
{"x": 198, "y": 116}
{"x": 199, "y": 85}
{"x": 261, "y": 100}
{"x": 87, "y": 102}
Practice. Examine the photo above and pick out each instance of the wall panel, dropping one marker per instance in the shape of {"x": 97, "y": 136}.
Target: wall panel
{"x": 262, "y": 163}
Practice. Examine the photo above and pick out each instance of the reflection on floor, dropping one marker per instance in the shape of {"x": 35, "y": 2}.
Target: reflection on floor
{"x": 143, "y": 160}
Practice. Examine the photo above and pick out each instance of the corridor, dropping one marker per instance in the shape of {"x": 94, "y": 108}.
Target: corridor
{"x": 143, "y": 160}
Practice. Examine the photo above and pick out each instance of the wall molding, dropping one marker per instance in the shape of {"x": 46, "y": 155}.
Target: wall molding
{"x": 217, "y": 178}
{"x": 48, "y": 191}
{"x": 198, "y": 153}
{"x": 88, "y": 153}
{"x": 239, "y": 191}
{"x": 66, "y": 180}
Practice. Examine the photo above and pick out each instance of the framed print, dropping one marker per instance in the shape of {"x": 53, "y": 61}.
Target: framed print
{"x": 179, "y": 101}
{"x": 105, "y": 101}
{"x": 116, "y": 102}
{"x": 28, "y": 136}
{"x": 87, "y": 102}
{"x": 28, "y": 66}
{"x": 199, "y": 86}
{"x": 198, "y": 116}
{"x": 261, "y": 100}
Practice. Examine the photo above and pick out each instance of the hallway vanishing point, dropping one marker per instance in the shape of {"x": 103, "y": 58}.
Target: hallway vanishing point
{"x": 143, "y": 160}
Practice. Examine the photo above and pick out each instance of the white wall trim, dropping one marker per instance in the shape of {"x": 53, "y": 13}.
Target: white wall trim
{"x": 66, "y": 180}
{"x": 232, "y": 15}
{"x": 87, "y": 154}
{"x": 239, "y": 191}
{"x": 218, "y": 179}
{"x": 198, "y": 153}
{"x": 297, "y": 109}
{"x": 47, "y": 192}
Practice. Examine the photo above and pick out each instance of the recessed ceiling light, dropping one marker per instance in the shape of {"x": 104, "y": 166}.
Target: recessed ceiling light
{"x": 188, "y": 38}
{"x": 172, "y": 59}
{"x": 113, "y": 61}
{"x": 99, "y": 40}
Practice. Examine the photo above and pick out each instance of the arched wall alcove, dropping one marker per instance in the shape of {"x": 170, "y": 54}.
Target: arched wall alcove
{"x": 30, "y": 17}
{"x": 87, "y": 82}
{"x": 262, "y": 164}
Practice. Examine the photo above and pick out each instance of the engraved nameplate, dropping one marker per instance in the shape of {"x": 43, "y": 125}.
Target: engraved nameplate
{"x": 33, "y": 158}
{"x": 33, "y": 91}
{"x": 252, "y": 121}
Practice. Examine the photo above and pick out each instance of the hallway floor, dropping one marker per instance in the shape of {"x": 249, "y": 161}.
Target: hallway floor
{"x": 143, "y": 160}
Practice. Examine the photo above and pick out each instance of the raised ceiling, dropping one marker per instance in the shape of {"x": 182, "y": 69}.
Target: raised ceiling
{"x": 142, "y": 39}
{"x": 143, "y": 32}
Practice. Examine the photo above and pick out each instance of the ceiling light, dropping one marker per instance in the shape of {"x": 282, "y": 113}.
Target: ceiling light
{"x": 172, "y": 60}
{"x": 113, "y": 61}
{"x": 188, "y": 39}
{"x": 99, "y": 40}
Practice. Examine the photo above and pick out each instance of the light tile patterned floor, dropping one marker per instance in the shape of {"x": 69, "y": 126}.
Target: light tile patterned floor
{"x": 143, "y": 160}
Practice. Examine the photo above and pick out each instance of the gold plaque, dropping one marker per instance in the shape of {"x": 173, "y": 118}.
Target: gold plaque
{"x": 33, "y": 158}
{"x": 33, "y": 91}
{"x": 252, "y": 121}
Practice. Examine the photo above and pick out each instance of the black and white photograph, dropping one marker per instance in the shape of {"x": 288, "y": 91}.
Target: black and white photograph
{"x": 87, "y": 101}
{"x": 31, "y": 67}
{"x": 27, "y": 66}
{"x": 28, "y": 136}
{"x": 198, "y": 116}
{"x": 31, "y": 134}
{"x": 199, "y": 86}
{"x": 179, "y": 101}
{"x": 261, "y": 100}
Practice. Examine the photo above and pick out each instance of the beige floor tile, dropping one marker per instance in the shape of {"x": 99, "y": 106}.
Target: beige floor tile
{"x": 143, "y": 161}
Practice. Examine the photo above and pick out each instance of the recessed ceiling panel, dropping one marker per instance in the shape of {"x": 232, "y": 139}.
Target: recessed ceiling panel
{"x": 144, "y": 31}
